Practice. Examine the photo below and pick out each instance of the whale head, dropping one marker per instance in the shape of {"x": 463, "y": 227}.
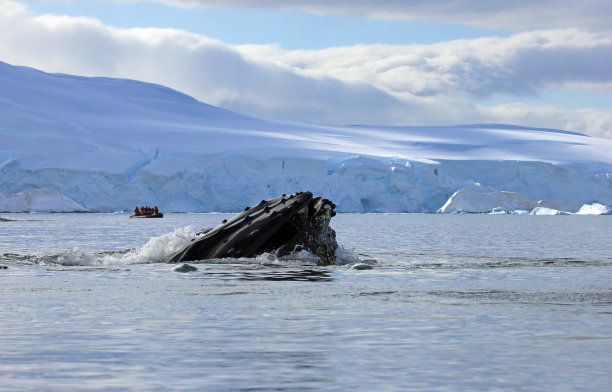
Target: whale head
{"x": 282, "y": 225}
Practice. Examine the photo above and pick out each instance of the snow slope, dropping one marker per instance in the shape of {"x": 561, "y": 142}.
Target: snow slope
{"x": 112, "y": 144}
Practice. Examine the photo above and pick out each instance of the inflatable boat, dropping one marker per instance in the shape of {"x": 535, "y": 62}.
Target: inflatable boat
{"x": 158, "y": 215}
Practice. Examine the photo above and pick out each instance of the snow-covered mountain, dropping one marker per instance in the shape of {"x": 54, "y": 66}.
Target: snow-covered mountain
{"x": 111, "y": 144}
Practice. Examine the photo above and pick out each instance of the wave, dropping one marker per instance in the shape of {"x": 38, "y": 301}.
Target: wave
{"x": 156, "y": 250}
{"x": 159, "y": 250}
{"x": 417, "y": 261}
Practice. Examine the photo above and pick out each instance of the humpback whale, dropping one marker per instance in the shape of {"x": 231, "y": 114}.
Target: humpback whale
{"x": 283, "y": 225}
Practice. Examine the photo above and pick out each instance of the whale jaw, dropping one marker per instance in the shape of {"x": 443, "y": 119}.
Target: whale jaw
{"x": 283, "y": 225}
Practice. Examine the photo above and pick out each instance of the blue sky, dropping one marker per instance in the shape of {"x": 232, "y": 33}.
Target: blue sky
{"x": 391, "y": 62}
{"x": 292, "y": 29}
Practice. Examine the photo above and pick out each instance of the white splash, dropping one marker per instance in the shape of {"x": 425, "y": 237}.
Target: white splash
{"x": 156, "y": 250}
{"x": 346, "y": 256}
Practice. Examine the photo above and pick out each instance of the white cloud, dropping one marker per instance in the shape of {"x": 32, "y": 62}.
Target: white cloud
{"x": 515, "y": 15}
{"x": 207, "y": 69}
{"x": 367, "y": 84}
{"x": 520, "y": 64}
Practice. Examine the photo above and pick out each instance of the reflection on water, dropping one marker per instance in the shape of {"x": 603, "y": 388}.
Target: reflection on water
{"x": 307, "y": 275}
{"x": 545, "y": 297}
{"x": 266, "y": 272}
{"x": 477, "y": 261}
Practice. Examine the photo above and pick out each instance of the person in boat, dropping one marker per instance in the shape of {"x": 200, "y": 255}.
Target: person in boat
{"x": 156, "y": 210}
{"x": 136, "y": 211}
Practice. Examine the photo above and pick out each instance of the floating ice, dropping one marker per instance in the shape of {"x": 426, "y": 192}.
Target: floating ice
{"x": 595, "y": 209}
{"x": 547, "y": 211}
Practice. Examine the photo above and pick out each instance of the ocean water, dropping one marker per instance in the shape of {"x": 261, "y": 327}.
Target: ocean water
{"x": 420, "y": 302}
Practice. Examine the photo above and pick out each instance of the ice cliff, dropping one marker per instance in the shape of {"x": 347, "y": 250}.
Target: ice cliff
{"x": 39, "y": 200}
{"x": 112, "y": 144}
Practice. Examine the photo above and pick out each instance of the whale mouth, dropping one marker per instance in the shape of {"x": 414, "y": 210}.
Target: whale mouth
{"x": 282, "y": 225}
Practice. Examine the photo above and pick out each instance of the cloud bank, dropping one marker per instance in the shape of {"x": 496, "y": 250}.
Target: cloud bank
{"x": 437, "y": 84}
{"x": 515, "y": 15}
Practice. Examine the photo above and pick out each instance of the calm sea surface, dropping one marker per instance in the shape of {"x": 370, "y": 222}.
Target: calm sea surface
{"x": 435, "y": 302}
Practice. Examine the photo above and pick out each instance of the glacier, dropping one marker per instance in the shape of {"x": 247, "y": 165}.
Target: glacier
{"x": 108, "y": 145}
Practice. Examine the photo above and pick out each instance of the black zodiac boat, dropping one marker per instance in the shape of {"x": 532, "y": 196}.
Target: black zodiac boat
{"x": 158, "y": 215}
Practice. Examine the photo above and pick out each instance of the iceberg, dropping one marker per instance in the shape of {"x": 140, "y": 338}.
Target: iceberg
{"x": 548, "y": 211}
{"x": 560, "y": 206}
{"x": 112, "y": 144}
{"x": 595, "y": 209}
